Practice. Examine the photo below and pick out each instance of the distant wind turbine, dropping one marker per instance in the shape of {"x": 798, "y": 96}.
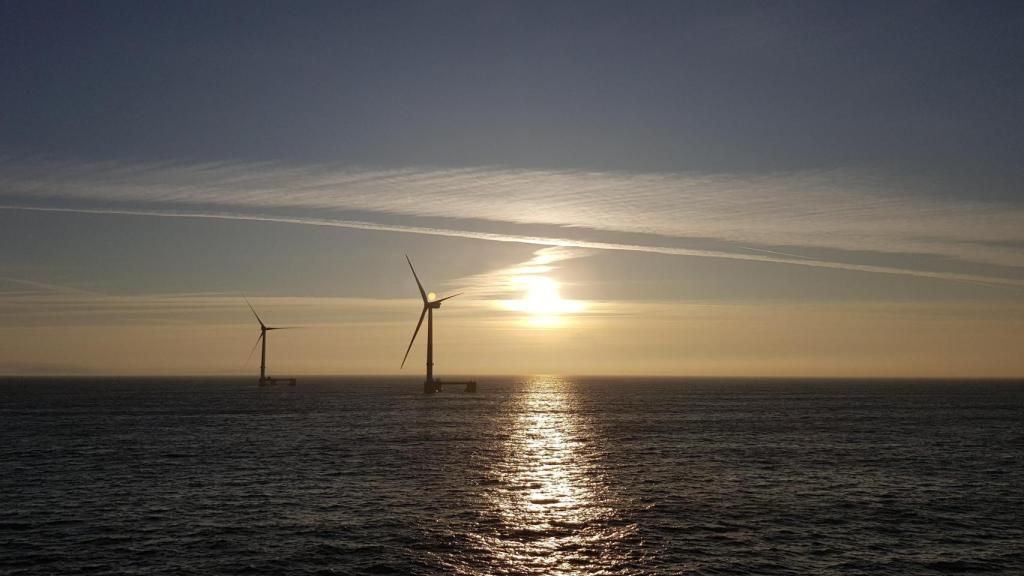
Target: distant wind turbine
{"x": 262, "y": 339}
{"x": 430, "y": 302}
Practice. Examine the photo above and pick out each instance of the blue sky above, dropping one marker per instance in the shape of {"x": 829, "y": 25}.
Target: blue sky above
{"x": 736, "y": 153}
{"x": 926, "y": 87}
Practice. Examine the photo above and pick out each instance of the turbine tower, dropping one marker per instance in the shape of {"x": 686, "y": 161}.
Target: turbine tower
{"x": 430, "y": 303}
{"x": 262, "y": 339}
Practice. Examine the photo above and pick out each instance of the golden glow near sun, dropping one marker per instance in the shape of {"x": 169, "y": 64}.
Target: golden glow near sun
{"x": 542, "y": 303}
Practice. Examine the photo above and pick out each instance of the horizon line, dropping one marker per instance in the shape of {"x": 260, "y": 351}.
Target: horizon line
{"x": 240, "y": 376}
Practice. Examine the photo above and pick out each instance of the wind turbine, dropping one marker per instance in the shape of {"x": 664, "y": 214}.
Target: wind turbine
{"x": 262, "y": 339}
{"x": 430, "y": 303}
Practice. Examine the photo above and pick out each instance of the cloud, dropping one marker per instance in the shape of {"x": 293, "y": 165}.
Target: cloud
{"x": 763, "y": 217}
{"x": 213, "y": 334}
{"x": 508, "y": 281}
{"x": 30, "y": 287}
{"x": 550, "y": 241}
{"x": 44, "y": 308}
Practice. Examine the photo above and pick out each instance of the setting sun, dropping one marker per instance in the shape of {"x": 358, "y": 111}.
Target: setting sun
{"x": 542, "y": 302}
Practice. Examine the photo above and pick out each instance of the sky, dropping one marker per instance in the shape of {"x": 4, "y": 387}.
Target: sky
{"x": 661, "y": 188}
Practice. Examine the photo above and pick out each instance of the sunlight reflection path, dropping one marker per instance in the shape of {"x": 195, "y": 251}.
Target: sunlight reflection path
{"x": 557, "y": 512}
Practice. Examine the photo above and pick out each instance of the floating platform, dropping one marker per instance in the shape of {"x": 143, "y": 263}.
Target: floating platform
{"x": 276, "y": 381}
{"x": 438, "y": 384}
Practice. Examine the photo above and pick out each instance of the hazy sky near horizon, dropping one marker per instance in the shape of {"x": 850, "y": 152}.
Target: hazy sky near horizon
{"x": 713, "y": 188}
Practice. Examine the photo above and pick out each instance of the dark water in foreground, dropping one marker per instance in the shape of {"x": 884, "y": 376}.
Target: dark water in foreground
{"x": 531, "y": 475}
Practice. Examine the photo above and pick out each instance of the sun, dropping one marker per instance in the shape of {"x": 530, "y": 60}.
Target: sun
{"x": 542, "y": 296}
{"x": 542, "y": 302}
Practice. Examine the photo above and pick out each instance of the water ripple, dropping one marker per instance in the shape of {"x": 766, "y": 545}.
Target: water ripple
{"x": 528, "y": 476}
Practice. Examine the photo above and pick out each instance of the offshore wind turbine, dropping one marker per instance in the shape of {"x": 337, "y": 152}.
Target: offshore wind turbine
{"x": 430, "y": 303}
{"x": 262, "y": 339}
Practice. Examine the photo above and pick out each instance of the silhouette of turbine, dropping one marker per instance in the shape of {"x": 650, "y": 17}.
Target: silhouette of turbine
{"x": 429, "y": 304}
{"x": 262, "y": 338}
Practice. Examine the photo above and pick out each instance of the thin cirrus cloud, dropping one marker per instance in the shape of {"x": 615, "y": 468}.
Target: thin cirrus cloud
{"x": 511, "y": 280}
{"x": 52, "y": 308}
{"x": 551, "y": 241}
{"x": 763, "y": 217}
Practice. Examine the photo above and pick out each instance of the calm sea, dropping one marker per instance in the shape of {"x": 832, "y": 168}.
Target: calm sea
{"x": 533, "y": 475}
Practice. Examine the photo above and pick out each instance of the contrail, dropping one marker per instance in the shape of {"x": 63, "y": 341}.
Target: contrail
{"x": 852, "y": 211}
{"x": 991, "y": 281}
{"x": 46, "y": 287}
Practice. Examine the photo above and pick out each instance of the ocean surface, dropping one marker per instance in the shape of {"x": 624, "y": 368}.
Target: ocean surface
{"x": 532, "y": 475}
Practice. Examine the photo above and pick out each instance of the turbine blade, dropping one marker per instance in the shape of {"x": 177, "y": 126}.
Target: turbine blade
{"x": 415, "y": 332}
{"x": 258, "y": 338}
{"x": 284, "y": 327}
{"x": 254, "y": 312}
{"x": 423, "y": 293}
{"x": 447, "y": 297}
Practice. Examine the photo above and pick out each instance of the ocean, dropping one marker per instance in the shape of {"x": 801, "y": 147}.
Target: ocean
{"x": 529, "y": 475}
